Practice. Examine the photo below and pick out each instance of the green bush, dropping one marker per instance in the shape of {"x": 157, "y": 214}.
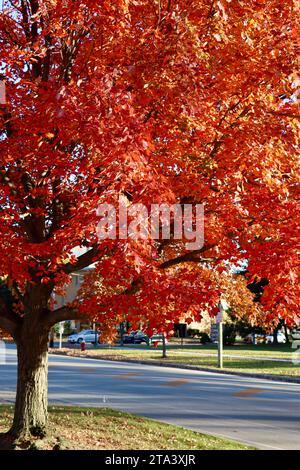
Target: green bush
{"x": 204, "y": 338}
{"x": 68, "y": 330}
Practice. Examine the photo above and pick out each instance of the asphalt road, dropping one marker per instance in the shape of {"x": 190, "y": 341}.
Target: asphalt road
{"x": 261, "y": 413}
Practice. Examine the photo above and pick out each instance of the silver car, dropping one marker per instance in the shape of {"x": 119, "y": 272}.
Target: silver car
{"x": 88, "y": 336}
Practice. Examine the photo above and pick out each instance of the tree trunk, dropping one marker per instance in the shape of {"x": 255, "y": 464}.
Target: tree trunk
{"x": 275, "y": 333}
{"x": 275, "y": 337}
{"x": 164, "y": 348}
{"x": 287, "y": 339}
{"x": 31, "y": 405}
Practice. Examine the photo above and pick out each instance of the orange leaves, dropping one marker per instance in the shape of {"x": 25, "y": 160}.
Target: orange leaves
{"x": 189, "y": 102}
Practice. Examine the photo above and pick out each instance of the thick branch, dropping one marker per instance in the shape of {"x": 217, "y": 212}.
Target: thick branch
{"x": 190, "y": 256}
{"x": 9, "y": 321}
{"x": 83, "y": 261}
{"x": 137, "y": 284}
{"x": 63, "y": 314}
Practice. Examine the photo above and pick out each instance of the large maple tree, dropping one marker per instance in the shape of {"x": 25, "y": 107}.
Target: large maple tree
{"x": 188, "y": 101}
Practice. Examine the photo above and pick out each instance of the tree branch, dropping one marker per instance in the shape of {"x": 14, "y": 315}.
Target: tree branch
{"x": 9, "y": 321}
{"x": 190, "y": 256}
{"x": 63, "y": 314}
{"x": 83, "y": 261}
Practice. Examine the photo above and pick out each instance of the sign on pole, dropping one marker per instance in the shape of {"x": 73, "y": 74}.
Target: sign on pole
{"x": 214, "y": 332}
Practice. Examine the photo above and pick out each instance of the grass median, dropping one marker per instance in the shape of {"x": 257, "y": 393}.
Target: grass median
{"x": 260, "y": 359}
{"x": 75, "y": 428}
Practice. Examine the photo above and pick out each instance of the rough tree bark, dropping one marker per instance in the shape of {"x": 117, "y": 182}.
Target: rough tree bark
{"x": 30, "y": 417}
{"x": 32, "y": 336}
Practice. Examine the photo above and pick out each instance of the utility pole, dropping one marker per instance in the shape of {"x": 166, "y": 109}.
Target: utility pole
{"x": 220, "y": 345}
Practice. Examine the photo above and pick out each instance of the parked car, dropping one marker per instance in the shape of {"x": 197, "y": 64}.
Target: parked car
{"x": 157, "y": 338}
{"x": 280, "y": 338}
{"x": 265, "y": 339}
{"x": 135, "y": 337}
{"x": 255, "y": 339}
{"x": 89, "y": 336}
{"x": 295, "y": 334}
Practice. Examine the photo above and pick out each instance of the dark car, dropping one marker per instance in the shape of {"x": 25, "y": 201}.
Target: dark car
{"x": 135, "y": 337}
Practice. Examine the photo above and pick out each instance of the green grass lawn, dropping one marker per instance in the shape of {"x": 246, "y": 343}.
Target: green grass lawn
{"x": 241, "y": 365}
{"x": 260, "y": 350}
{"x": 248, "y": 358}
{"x": 75, "y": 428}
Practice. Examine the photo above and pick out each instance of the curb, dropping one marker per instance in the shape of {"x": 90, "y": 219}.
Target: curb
{"x": 274, "y": 378}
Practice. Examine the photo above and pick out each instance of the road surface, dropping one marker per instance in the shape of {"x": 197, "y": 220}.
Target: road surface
{"x": 261, "y": 413}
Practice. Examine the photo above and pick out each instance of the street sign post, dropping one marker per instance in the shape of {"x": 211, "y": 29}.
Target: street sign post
{"x": 222, "y": 308}
{"x": 214, "y": 333}
{"x": 220, "y": 345}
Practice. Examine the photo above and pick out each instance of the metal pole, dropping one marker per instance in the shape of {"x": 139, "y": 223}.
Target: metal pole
{"x": 60, "y": 334}
{"x": 220, "y": 345}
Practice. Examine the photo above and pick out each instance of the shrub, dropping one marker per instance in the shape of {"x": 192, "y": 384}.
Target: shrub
{"x": 204, "y": 338}
{"x": 67, "y": 328}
